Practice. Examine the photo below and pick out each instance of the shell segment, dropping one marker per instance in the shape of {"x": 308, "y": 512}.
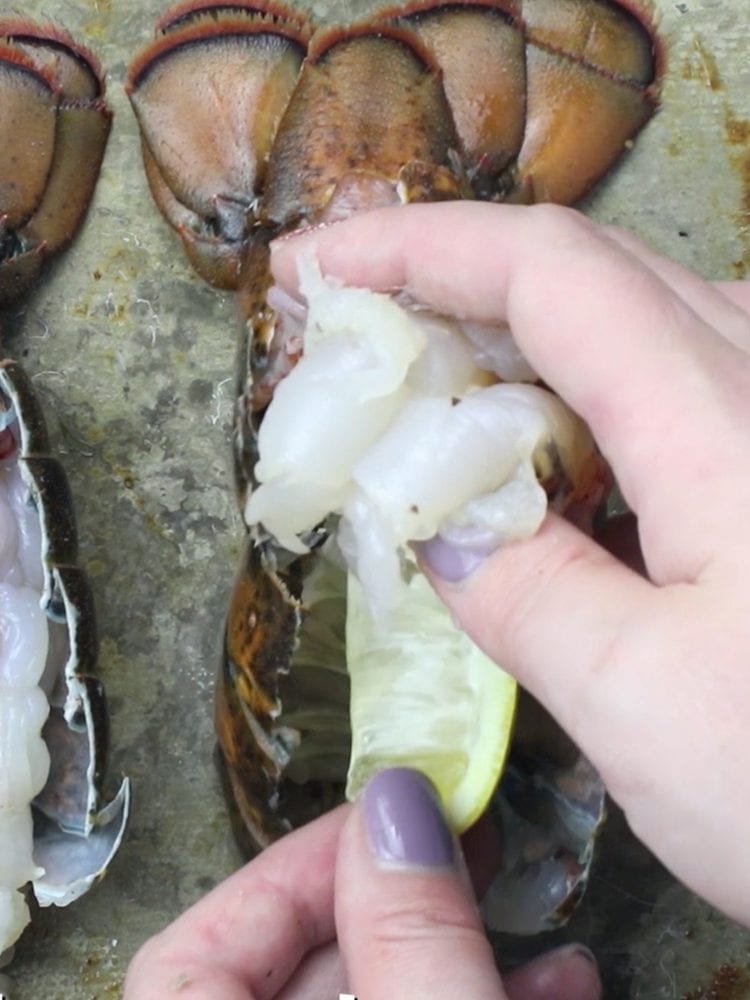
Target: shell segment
{"x": 54, "y": 126}
{"x": 550, "y": 807}
{"x": 208, "y": 95}
{"x": 480, "y": 48}
{"x": 545, "y": 94}
{"x": 262, "y": 622}
{"x": 349, "y": 140}
{"x": 591, "y": 73}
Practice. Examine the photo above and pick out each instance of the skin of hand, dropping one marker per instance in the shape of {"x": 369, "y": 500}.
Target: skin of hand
{"x": 386, "y": 878}
{"x": 648, "y": 673}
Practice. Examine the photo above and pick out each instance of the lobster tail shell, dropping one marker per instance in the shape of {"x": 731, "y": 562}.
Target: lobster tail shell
{"x": 347, "y": 130}
{"x": 208, "y": 95}
{"x": 77, "y": 827}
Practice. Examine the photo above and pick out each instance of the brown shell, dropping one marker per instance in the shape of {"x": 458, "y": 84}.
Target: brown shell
{"x": 54, "y": 126}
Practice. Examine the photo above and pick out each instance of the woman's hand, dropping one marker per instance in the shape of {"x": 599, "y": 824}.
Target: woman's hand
{"x": 387, "y": 879}
{"x": 651, "y": 676}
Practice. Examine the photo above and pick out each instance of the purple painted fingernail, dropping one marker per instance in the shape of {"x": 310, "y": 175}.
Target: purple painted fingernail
{"x": 584, "y": 952}
{"x": 566, "y": 951}
{"x": 447, "y": 561}
{"x": 404, "y": 821}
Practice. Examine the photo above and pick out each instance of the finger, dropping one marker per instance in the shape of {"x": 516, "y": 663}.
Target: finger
{"x": 737, "y": 291}
{"x": 408, "y": 925}
{"x": 718, "y": 306}
{"x": 652, "y": 694}
{"x": 319, "y": 974}
{"x": 625, "y": 351}
{"x": 247, "y": 937}
{"x": 529, "y": 605}
{"x": 567, "y": 973}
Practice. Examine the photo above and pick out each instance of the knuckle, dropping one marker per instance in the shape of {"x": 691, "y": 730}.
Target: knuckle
{"x": 561, "y": 222}
{"x": 413, "y": 920}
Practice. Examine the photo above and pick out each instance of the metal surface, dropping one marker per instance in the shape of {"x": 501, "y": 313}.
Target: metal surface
{"x": 133, "y": 357}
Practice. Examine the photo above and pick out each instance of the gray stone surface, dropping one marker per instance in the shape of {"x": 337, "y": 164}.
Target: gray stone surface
{"x": 134, "y": 356}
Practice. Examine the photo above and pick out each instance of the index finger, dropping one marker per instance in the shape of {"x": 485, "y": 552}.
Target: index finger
{"x": 737, "y": 291}
{"x": 246, "y": 937}
{"x": 663, "y": 393}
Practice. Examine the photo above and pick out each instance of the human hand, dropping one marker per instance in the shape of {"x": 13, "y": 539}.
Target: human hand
{"x": 649, "y": 675}
{"x": 385, "y": 878}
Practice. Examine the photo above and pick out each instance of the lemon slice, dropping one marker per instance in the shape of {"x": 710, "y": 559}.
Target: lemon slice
{"x": 423, "y": 695}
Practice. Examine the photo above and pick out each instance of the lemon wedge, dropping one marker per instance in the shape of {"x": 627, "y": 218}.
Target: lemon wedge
{"x": 423, "y": 695}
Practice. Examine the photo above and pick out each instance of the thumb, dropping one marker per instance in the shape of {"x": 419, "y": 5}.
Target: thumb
{"x": 407, "y": 922}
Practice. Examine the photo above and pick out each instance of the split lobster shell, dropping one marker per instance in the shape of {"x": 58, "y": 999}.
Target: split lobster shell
{"x": 253, "y": 123}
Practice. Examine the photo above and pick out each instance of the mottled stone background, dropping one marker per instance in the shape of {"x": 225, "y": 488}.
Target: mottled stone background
{"x": 133, "y": 357}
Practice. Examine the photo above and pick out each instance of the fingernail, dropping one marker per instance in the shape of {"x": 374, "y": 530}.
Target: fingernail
{"x": 551, "y": 960}
{"x": 449, "y": 562}
{"x": 576, "y": 950}
{"x": 404, "y": 822}
{"x": 569, "y": 971}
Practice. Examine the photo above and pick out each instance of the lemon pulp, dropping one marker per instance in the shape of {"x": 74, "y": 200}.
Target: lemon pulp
{"x": 423, "y": 695}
